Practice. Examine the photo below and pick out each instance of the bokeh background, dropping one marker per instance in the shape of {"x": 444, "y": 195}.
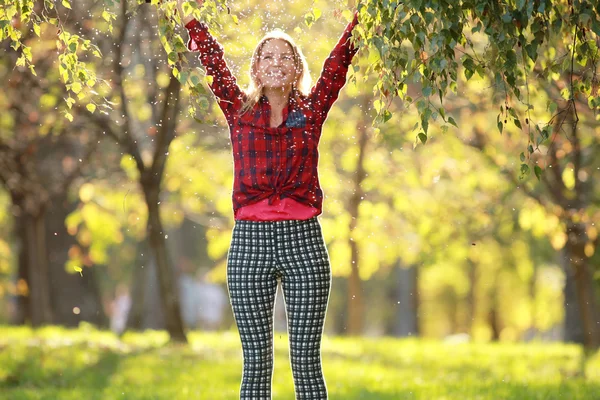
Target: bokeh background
{"x": 439, "y": 240}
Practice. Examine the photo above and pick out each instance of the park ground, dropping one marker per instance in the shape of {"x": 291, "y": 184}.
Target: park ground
{"x": 73, "y": 364}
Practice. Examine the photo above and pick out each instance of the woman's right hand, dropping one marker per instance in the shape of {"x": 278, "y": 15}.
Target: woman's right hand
{"x": 186, "y": 19}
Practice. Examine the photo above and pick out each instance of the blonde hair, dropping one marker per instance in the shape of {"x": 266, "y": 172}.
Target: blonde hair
{"x": 300, "y": 87}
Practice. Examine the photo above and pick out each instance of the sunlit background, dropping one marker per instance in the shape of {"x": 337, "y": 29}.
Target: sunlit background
{"x": 444, "y": 240}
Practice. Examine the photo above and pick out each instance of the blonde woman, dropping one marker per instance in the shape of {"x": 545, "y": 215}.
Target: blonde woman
{"x": 275, "y": 126}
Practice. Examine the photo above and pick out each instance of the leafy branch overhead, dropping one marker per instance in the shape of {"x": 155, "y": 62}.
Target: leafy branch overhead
{"x": 430, "y": 44}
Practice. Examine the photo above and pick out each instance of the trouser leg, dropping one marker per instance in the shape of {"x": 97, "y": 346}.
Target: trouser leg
{"x": 306, "y": 283}
{"x": 252, "y": 285}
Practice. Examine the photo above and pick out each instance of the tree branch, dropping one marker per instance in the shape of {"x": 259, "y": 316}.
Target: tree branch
{"x": 168, "y": 122}
{"x": 129, "y": 143}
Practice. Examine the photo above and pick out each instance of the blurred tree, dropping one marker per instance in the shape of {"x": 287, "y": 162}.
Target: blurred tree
{"x": 523, "y": 38}
{"x": 41, "y": 157}
{"x": 568, "y": 192}
{"x": 128, "y": 47}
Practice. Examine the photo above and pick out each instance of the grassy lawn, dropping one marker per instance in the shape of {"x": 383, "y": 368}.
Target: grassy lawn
{"x": 86, "y": 364}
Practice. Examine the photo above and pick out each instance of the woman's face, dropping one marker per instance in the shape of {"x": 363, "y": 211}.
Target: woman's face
{"x": 276, "y": 65}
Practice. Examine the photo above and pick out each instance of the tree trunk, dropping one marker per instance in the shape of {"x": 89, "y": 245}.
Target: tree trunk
{"x": 355, "y": 299}
{"x": 493, "y": 315}
{"x": 135, "y": 318}
{"x": 577, "y": 269}
{"x": 169, "y": 292}
{"x": 37, "y": 269}
{"x": 22, "y": 314}
{"x": 407, "y": 301}
{"x": 69, "y": 290}
{"x": 471, "y": 297}
{"x": 336, "y": 309}
{"x": 573, "y": 324}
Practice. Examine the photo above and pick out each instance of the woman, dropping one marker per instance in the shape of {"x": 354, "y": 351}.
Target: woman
{"x": 275, "y": 126}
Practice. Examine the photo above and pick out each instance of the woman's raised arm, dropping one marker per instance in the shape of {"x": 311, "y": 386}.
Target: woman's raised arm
{"x": 333, "y": 76}
{"x": 224, "y": 84}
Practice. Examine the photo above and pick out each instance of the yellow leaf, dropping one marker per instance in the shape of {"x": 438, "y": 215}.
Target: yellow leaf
{"x": 27, "y": 53}
{"x": 348, "y": 16}
{"x": 76, "y": 87}
{"x": 91, "y": 107}
{"x": 316, "y": 13}
{"x": 78, "y": 269}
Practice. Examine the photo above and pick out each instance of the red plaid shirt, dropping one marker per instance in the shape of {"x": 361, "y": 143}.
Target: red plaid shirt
{"x": 281, "y": 161}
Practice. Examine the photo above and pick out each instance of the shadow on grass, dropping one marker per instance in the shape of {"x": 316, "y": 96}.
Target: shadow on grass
{"x": 31, "y": 371}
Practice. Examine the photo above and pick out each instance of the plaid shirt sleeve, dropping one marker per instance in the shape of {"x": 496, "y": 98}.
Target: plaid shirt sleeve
{"x": 224, "y": 84}
{"x": 333, "y": 76}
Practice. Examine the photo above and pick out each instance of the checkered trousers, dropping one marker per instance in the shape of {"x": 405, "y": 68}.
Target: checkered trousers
{"x": 260, "y": 253}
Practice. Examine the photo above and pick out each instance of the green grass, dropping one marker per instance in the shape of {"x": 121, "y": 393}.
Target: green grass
{"x": 86, "y": 364}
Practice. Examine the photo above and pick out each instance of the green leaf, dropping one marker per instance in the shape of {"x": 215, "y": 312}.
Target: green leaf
{"x": 203, "y": 103}
{"x": 531, "y": 50}
{"x": 517, "y": 123}
{"x": 309, "y": 19}
{"x": 538, "y": 172}
{"x": 451, "y": 121}
{"x": 387, "y": 115}
{"x": 183, "y": 76}
{"x": 524, "y": 169}
{"x": 422, "y": 137}
{"x": 522, "y": 156}
{"x": 469, "y": 73}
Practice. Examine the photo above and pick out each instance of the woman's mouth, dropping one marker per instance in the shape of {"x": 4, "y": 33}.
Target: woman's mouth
{"x": 276, "y": 74}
